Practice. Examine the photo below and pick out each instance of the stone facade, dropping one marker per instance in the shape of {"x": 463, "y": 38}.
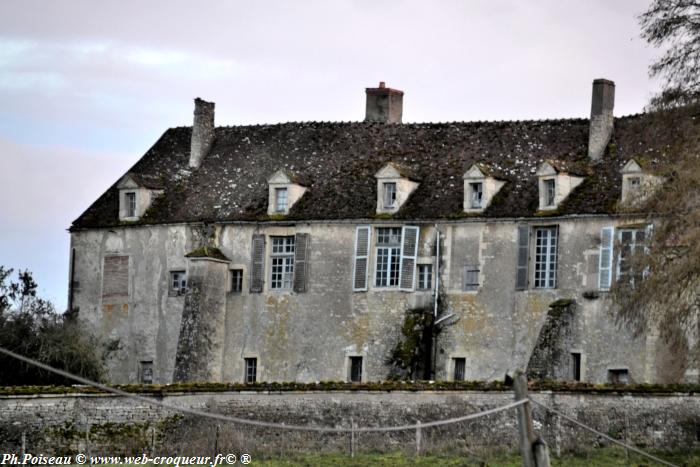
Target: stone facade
{"x": 302, "y": 293}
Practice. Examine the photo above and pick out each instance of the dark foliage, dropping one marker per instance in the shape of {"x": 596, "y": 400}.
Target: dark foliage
{"x": 30, "y": 326}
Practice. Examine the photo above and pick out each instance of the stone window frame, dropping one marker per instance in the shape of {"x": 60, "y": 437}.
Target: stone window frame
{"x": 182, "y": 288}
{"x": 130, "y": 204}
{"x": 389, "y": 195}
{"x": 549, "y": 186}
{"x": 455, "y": 360}
{"x": 641, "y": 247}
{"x": 350, "y": 360}
{"x": 470, "y": 271}
{"x": 146, "y": 372}
{"x": 425, "y": 274}
{"x": 476, "y": 195}
{"x": 250, "y": 370}
{"x": 232, "y": 280}
{"x": 281, "y": 256}
{"x": 614, "y": 374}
{"x": 393, "y": 256}
{"x": 551, "y": 267}
{"x": 281, "y": 202}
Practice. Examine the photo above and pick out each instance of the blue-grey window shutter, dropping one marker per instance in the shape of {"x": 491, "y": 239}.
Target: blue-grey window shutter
{"x": 301, "y": 259}
{"x": 409, "y": 253}
{"x": 257, "y": 268}
{"x": 521, "y": 277}
{"x": 363, "y": 236}
{"x": 607, "y": 236}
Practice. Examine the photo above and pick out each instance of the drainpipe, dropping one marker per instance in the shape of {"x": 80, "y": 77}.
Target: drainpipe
{"x": 435, "y": 300}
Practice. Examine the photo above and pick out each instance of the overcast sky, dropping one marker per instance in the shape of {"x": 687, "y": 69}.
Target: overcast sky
{"x": 86, "y": 87}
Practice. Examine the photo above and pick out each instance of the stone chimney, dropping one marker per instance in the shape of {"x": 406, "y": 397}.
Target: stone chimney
{"x": 384, "y": 105}
{"x": 202, "y": 131}
{"x": 601, "y": 126}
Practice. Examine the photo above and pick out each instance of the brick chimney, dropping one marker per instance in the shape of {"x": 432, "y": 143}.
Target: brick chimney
{"x": 384, "y": 105}
{"x": 202, "y": 131}
{"x": 601, "y": 126}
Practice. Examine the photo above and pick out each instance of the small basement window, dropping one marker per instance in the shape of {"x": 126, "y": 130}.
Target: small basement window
{"x": 460, "y": 365}
{"x": 470, "y": 278}
{"x": 146, "y": 372}
{"x": 236, "y": 280}
{"x": 355, "y": 370}
{"x": 425, "y": 276}
{"x": 619, "y": 376}
{"x": 178, "y": 283}
{"x": 576, "y": 366}
{"x": 251, "y": 370}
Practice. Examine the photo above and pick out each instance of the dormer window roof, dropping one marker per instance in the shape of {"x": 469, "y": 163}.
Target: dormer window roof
{"x": 136, "y": 193}
{"x": 556, "y": 181}
{"x": 283, "y": 191}
{"x": 480, "y": 186}
{"x": 637, "y": 184}
{"x": 394, "y": 186}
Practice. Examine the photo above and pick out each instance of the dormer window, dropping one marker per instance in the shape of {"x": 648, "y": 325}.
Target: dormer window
{"x": 389, "y": 195}
{"x": 480, "y": 186}
{"x": 394, "y": 185}
{"x": 637, "y": 185}
{"x": 556, "y": 181}
{"x": 284, "y": 191}
{"x": 130, "y": 202}
{"x": 549, "y": 191}
{"x": 476, "y": 194}
{"x": 136, "y": 193}
{"x": 281, "y": 200}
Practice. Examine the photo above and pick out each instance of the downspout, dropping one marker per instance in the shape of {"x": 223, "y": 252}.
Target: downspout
{"x": 435, "y": 300}
{"x": 71, "y": 280}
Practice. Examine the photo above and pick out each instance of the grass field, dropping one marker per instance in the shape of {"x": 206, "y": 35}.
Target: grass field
{"x": 612, "y": 457}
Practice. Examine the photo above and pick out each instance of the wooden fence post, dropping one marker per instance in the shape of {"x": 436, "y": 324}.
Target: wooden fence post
{"x": 418, "y": 438}
{"x": 525, "y": 429}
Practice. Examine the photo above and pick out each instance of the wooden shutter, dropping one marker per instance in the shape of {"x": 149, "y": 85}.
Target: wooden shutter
{"x": 607, "y": 236}
{"x": 257, "y": 268}
{"x": 409, "y": 253}
{"x": 301, "y": 256}
{"x": 363, "y": 236}
{"x": 521, "y": 277}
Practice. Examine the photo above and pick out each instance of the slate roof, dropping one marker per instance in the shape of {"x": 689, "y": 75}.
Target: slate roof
{"x": 337, "y": 162}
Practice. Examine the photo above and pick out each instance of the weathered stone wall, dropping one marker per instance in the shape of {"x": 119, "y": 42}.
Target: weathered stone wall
{"x": 309, "y": 336}
{"x": 120, "y": 426}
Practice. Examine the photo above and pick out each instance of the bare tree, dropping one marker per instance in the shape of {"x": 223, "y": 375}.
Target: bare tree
{"x": 675, "y": 25}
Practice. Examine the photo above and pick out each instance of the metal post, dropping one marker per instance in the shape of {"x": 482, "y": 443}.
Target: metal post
{"x": 526, "y": 431}
{"x": 419, "y": 436}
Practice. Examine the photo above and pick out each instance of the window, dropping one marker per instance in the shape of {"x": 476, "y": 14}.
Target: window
{"x": 282, "y": 262}
{"x": 146, "y": 372}
{"x": 476, "y": 194}
{"x": 388, "y": 257}
{"x": 425, "y": 276}
{"x": 635, "y": 182}
{"x": 619, "y": 376}
{"x": 251, "y": 370}
{"x": 389, "y": 194}
{"x": 281, "y": 200}
{"x": 178, "y": 282}
{"x": 130, "y": 203}
{"x": 236, "y": 280}
{"x": 355, "y": 375}
{"x": 576, "y": 366}
{"x": 470, "y": 278}
{"x": 632, "y": 242}
{"x": 459, "y": 368}
{"x": 549, "y": 191}
{"x": 546, "y": 257}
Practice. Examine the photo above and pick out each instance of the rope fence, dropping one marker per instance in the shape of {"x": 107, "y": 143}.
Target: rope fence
{"x": 353, "y": 430}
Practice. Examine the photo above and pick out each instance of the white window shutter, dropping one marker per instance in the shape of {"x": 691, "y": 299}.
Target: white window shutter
{"x": 257, "y": 269}
{"x": 607, "y": 237}
{"x": 363, "y": 236}
{"x": 521, "y": 275}
{"x": 409, "y": 254}
{"x": 301, "y": 261}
